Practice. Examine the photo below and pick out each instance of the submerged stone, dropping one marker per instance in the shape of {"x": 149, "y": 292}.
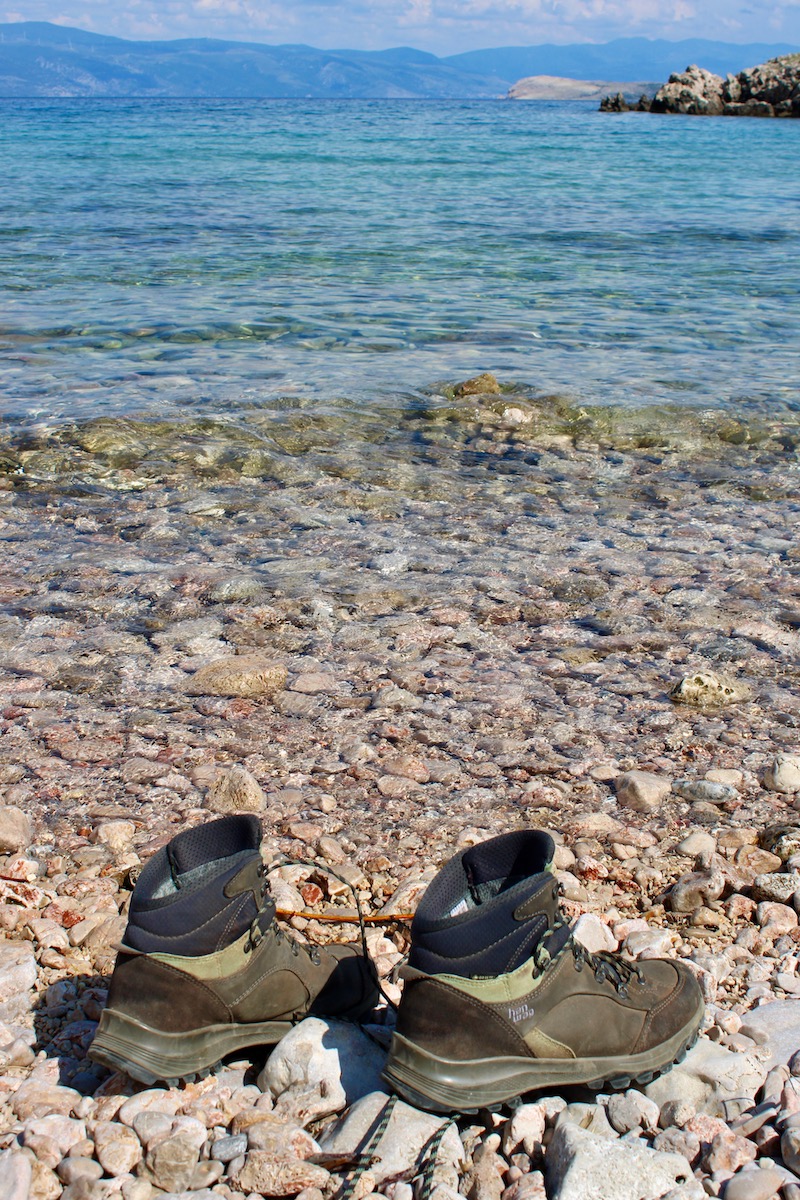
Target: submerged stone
{"x": 239, "y": 675}
{"x": 707, "y": 689}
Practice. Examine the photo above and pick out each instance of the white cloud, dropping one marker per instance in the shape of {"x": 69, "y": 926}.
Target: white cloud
{"x": 443, "y": 26}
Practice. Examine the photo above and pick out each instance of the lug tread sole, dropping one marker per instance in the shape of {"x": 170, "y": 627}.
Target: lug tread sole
{"x": 423, "y": 1090}
{"x": 151, "y": 1056}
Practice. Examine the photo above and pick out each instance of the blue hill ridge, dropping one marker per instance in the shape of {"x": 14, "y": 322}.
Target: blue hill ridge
{"x": 38, "y": 59}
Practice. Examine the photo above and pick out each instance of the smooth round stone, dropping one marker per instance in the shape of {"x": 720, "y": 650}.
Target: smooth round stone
{"x": 228, "y": 1148}
{"x": 153, "y": 1098}
{"x": 783, "y": 774}
{"x": 206, "y": 1174}
{"x": 754, "y": 1184}
{"x": 151, "y": 1126}
{"x": 117, "y": 1147}
{"x": 697, "y": 842}
{"x": 790, "y": 1149}
{"x": 704, "y": 790}
{"x": 71, "y": 1170}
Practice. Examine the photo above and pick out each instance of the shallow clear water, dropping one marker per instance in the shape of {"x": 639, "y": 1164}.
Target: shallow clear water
{"x": 218, "y": 254}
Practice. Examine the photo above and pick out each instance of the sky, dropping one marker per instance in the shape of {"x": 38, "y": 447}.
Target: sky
{"x": 439, "y": 26}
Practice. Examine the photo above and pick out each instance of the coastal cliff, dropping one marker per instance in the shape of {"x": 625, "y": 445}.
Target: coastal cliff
{"x": 769, "y": 90}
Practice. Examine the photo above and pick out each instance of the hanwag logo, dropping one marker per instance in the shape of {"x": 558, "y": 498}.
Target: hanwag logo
{"x": 520, "y": 1013}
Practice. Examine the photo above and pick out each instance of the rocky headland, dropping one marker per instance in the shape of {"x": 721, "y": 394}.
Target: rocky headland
{"x": 769, "y": 90}
{"x": 568, "y": 618}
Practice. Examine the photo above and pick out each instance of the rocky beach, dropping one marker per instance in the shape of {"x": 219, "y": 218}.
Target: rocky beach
{"x": 392, "y": 635}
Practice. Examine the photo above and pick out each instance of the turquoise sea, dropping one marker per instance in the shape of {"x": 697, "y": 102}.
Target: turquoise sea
{"x": 156, "y": 255}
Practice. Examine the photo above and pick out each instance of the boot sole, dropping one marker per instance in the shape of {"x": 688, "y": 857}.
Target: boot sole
{"x": 151, "y": 1056}
{"x": 443, "y": 1086}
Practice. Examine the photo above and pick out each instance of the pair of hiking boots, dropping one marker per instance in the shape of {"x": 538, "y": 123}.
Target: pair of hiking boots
{"x": 498, "y": 998}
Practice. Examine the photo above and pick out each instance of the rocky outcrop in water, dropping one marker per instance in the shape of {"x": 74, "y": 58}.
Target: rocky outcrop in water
{"x": 769, "y": 90}
{"x": 617, "y": 102}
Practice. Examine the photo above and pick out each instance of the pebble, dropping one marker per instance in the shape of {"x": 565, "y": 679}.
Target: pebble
{"x": 524, "y": 1130}
{"x": 709, "y": 1075}
{"x": 754, "y": 1184}
{"x": 641, "y": 791}
{"x": 16, "y": 830}
{"x": 776, "y": 886}
{"x": 704, "y": 790}
{"x": 631, "y": 1110}
{"x": 17, "y": 978}
{"x": 171, "y": 1163}
{"x": 72, "y": 1170}
{"x": 268, "y": 1176}
{"x": 783, "y": 774}
{"x": 728, "y": 1151}
{"x": 790, "y": 1149}
{"x": 235, "y": 790}
{"x": 156, "y": 1099}
{"x": 696, "y": 889}
{"x": 227, "y": 1148}
{"x": 593, "y": 933}
{"x": 117, "y": 1147}
{"x": 696, "y": 843}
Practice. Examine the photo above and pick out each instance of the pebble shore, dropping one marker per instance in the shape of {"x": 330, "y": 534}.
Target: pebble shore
{"x": 391, "y": 641}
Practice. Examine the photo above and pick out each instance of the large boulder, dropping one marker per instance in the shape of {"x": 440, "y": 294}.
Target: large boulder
{"x": 695, "y": 91}
{"x": 770, "y": 89}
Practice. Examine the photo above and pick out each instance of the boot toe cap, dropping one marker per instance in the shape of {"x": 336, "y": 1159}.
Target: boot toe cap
{"x": 676, "y": 1001}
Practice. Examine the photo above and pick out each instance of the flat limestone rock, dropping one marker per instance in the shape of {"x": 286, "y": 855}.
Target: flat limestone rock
{"x": 17, "y": 977}
{"x": 322, "y": 1066}
{"x": 400, "y": 1149}
{"x": 776, "y": 1026}
{"x": 582, "y": 1166}
{"x": 711, "y": 1074}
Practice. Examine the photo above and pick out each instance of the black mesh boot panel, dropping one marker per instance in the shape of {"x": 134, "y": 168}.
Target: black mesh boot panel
{"x": 217, "y": 839}
{"x": 488, "y": 908}
{"x": 179, "y": 904}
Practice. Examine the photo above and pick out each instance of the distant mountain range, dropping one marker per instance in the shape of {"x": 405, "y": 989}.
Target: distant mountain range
{"x": 40, "y": 59}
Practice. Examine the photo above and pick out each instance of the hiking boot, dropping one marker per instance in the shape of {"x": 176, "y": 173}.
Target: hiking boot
{"x": 500, "y": 1000}
{"x": 205, "y": 970}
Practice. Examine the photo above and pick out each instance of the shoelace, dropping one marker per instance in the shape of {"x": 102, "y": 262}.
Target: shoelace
{"x": 607, "y": 966}
{"x": 285, "y": 861}
{"x": 367, "y": 1156}
{"x": 256, "y": 934}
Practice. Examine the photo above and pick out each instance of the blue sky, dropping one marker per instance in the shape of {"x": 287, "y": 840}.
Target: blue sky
{"x": 441, "y": 26}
